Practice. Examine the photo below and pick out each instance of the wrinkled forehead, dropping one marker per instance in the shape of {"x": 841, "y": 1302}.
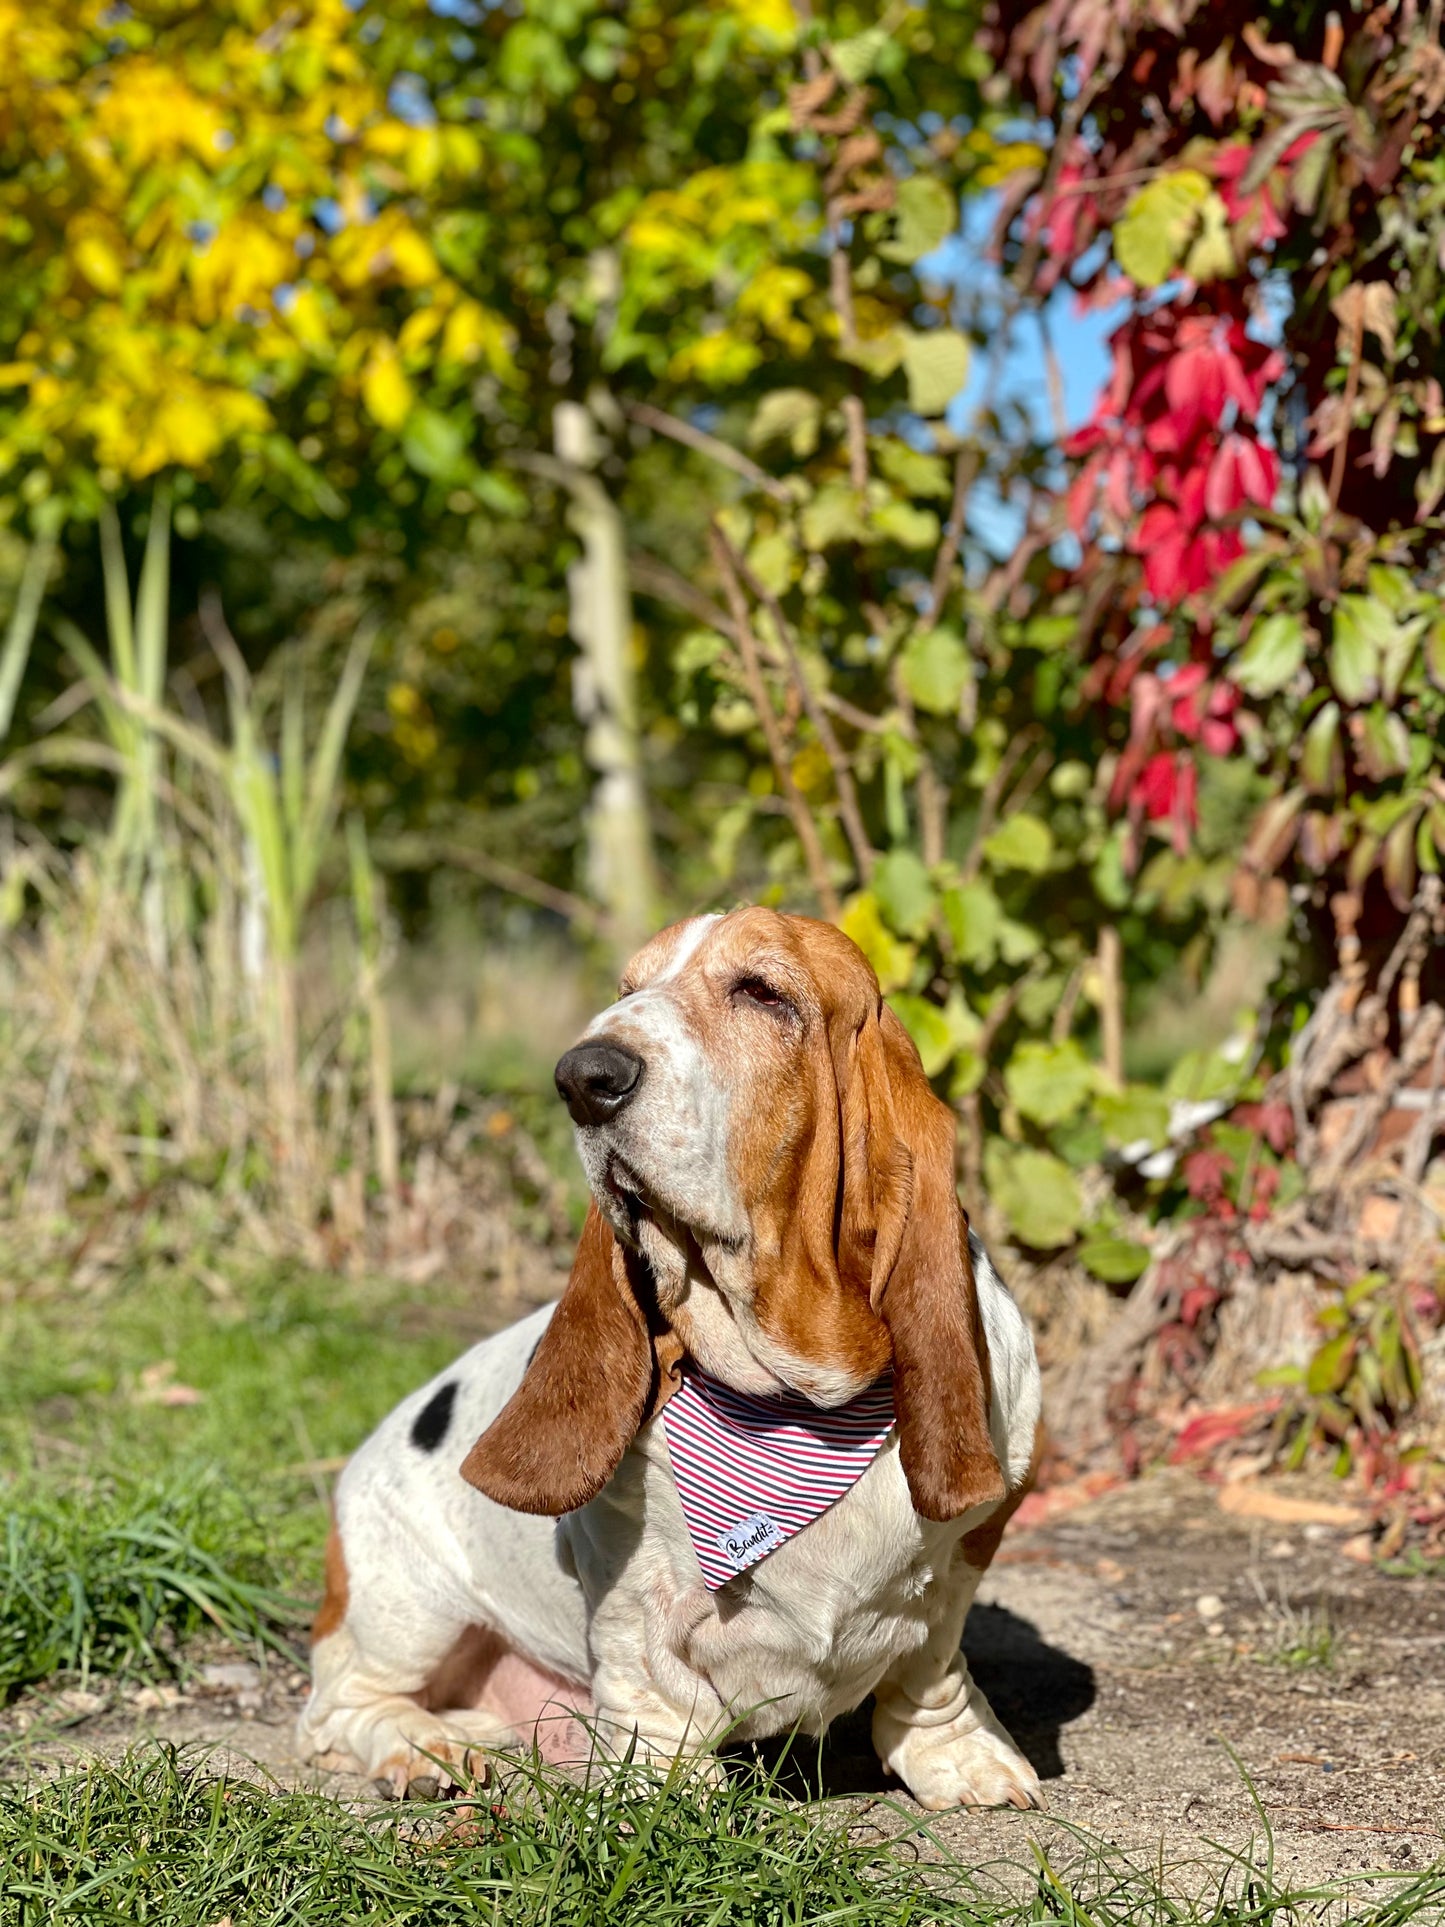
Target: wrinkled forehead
{"x": 816, "y": 966}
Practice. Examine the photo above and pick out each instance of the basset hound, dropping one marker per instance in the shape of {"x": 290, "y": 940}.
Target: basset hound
{"x": 773, "y": 1218}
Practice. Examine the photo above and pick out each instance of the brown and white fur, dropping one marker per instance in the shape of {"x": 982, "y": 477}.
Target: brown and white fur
{"x": 774, "y": 1200}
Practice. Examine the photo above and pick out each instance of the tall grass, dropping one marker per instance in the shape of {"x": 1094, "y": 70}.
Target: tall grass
{"x": 177, "y": 1009}
{"x": 114, "y": 1578}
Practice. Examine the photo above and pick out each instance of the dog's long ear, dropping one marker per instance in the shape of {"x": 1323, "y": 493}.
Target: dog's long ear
{"x": 898, "y": 1139}
{"x": 594, "y": 1378}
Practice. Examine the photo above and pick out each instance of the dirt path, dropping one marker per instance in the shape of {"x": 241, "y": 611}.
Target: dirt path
{"x": 1136, "y": 1647}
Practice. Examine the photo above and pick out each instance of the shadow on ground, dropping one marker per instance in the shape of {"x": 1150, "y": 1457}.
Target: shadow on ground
{"x": 1035, "y": 1689}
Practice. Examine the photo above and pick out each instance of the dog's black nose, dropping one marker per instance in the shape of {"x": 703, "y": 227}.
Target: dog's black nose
{"x": 596, "y": 1080}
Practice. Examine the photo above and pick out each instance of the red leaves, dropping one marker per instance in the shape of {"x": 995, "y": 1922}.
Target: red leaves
{"x": 1205, "y": 1172}
{"x": 1242, "y": 471}
{"x": 1200, "y": 711}
{"x": 1260, "y": 213}
{"x": 1171, "y": 449}
{"x": 1273, "y": 1121}
{"x": 1156, "y": 777}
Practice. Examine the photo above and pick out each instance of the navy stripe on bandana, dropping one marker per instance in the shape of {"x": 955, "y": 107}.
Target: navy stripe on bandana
{"x": 753, "y": 1471}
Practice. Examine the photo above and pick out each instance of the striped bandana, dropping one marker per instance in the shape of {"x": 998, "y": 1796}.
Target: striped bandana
{"x": 753, "y": 1471}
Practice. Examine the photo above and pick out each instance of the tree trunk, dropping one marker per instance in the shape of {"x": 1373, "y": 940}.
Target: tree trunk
{"x": 620, "y": 867}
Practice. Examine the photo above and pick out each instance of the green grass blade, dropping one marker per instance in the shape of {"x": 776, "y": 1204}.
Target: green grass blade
{"x": 118, "y": 622}
{"x": 323, "y": 789}
{"x": 20, "y": 631}
{"x": 120, "y": 726}
{"x": 152, "y": 607}
{"x": 293, "y": 744}
{"x": 259, "y": 808}
{"x": 60, "y": 752}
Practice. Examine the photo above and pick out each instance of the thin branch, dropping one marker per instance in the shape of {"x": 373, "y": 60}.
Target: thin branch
{"x": 803, "y": 824}
{"x": 932, "y": 805}
{"x": 1054, "y": 375}
{"x": 851, "y": 713}
{"x": 1023, "y": 745}
{"x": 657, "y": 419}
{"x": 412, "y": 852}
{"x": 1064, "y": 1015}
{"x": 655, "y": 578}
{"x": 965, "y": 474}
{"x": 848, "y": 808}
{"x": 1070, "y": 122}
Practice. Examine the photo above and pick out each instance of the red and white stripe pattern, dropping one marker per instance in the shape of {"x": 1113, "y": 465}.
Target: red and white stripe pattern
{"x": 753, "y": 1471}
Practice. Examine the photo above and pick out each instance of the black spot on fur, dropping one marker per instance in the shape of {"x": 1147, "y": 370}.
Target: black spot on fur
{"x": 433, "y": 1421}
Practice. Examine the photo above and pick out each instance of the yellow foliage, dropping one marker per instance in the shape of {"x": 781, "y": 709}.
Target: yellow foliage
{"x": 811, "y": 768}
{"x": 306, "y": 319}
{"x": 1001, "y": 158}
{"x": 721, "y": 358}
{"x": 167, "y": 162}
{"x": 473, "y": 333}
{"x": 385, "y": 388}
{"x": 771, "y": 296}
{"x": 771, "y": 20}
{"x": 150, "y": 113}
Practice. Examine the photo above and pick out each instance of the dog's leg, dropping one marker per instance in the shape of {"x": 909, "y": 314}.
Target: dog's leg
{"x": 650, "y": 1701}
{"x": 382, "y": 1634}
{"x": 934, "y": 1728}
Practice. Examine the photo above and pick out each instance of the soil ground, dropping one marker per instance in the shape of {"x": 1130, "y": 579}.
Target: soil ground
{"x": 1174, "y": 1673}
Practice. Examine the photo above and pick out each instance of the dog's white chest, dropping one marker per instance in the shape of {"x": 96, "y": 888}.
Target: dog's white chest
{"x": 801, "y": 1636}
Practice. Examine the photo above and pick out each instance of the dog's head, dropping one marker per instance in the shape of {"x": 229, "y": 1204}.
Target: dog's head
{"x": 773, "y": 1195}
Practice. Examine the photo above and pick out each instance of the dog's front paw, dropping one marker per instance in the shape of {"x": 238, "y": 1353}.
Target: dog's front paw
{"x": 977, "y": 1770}
{"x": 969, "y": 1762}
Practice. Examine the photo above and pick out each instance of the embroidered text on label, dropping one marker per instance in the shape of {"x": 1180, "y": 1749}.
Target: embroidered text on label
{"x": 749, "y": 1540}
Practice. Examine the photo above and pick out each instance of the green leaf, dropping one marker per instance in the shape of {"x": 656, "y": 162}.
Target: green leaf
{"x": 1022, "y": 843}
{"x": 925, "y": 214}
{"x": 937, "y": 668}
{"x": 787, "y": 414}
{"x": 1202, "y": 1074}
{"x": 910, "y": 527}
{"x": 1050, "y": 632}
{"x": 1308, "y": 175}
{"x": 853, "y": 60}
{"x": 1383, "y": 745}
{"x": 1037, "y": 1193}
{"x": 833, "y": 516}
{"x": 974, "y": 917}
{"x": 1118, "y": 1261}
{"x": 1155, "y": 228}
{"x": 929, "y": 1028}
{"x": 775, "y": 560}
{"x": 904, "y": 893}
{"x": 1322, "y": 763}
{"x": 1018, "y": 943}
{"x": 1048, "y": 1082}
{"x": 1275, "y": 650}
{"x": 1136, "y": 1114}
{"x": 1397, "y": 861}
{"x": 433, "y": 444}
{"x": 1212, "y": 256}
{"x": 936, "y": 364}
{"x": 1330, "y": 1368}
{"x": 1361, "y": 626}
{"x": 911, "y": 470}
{"x": 863, "y": 922}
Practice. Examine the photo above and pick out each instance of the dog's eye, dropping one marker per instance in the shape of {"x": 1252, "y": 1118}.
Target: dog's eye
{"x": 758, "y": 992}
